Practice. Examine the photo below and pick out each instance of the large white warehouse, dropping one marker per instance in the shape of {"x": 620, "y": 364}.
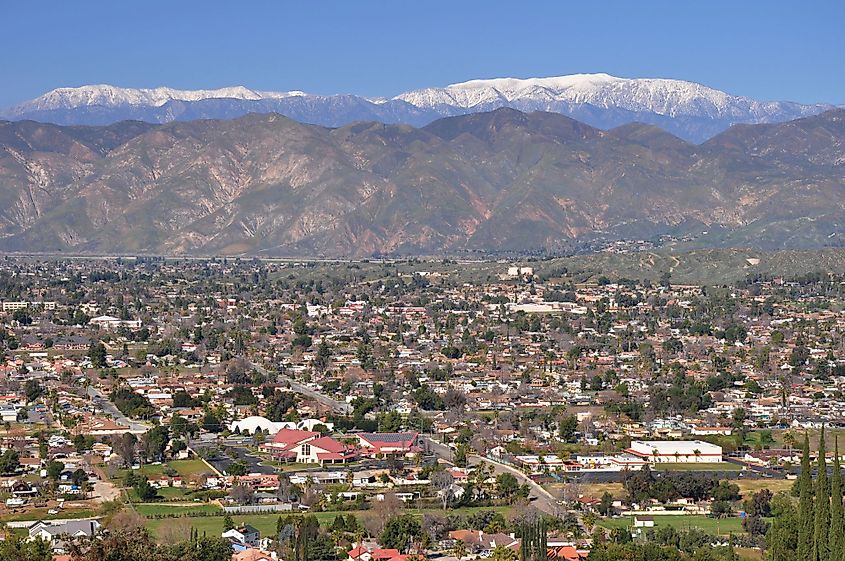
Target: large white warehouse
{"x": 681, "y": 451}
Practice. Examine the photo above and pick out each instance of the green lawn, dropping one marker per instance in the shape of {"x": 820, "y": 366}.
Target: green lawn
{"x": 166, "y": 494}
{"x": 185, "y": 468}
{"x": 714, "y": 526}
{"x": 691, "y": 466}
{"x": 153, "y": 509}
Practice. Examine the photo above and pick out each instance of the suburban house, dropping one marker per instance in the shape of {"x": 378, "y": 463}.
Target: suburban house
{"x": 481, "y": 542}
{"x": 643, "y": 522}
{"x": 362, "y": 553}
{"x": 56, "y": 532}
{"x": 244, "y": 535}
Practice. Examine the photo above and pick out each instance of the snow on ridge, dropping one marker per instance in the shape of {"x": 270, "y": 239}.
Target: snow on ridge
{"x": 665, "y": 98}
{"x": 654, "y": 95}
{"x": 111, "y": 96}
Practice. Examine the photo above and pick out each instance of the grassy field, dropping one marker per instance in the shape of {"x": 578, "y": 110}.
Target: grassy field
{"x": 683, "y": 466}
{"x": 185, "y": 468}
{"x": 599, "y": 489}
{"x": 266, "y": 523}
{"x": 714, "y": 526}
{"x": 41, "y": 514}
{"x": 749, "y": 486}
{"x": 166, "y": 494}
{"x": 154, "y": 509}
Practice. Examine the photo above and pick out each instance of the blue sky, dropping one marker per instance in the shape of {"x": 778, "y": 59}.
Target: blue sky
{"x": 763, "y": 49}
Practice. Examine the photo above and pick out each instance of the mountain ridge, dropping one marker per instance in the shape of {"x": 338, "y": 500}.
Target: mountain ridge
{"x": 491, "y": 182}
{"x": 692, "y": 111}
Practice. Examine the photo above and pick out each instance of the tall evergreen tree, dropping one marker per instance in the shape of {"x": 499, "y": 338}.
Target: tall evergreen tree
{"x": 805, "y": 504}
{"x": 837, "y": 523}
{"x": 821, "y": 545}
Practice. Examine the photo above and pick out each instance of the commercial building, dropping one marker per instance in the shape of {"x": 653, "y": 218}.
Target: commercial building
{"x": 677, "y": 451}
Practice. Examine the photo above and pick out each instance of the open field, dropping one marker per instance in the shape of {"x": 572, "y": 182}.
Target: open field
{"x": 185, "y": 468}
{"x": 749, "y": 486}
{"x": 599, "y": 489}
{"x": 714, "y": 526}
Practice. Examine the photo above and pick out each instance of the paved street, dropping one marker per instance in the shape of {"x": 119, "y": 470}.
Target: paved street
{"x": 335, "y": 405}
{"x": 539, "y": 496}
{"x": 102, "y": 402}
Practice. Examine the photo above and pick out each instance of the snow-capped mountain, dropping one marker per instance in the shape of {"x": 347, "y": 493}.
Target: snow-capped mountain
{"x": 689, "y": 110}
{"x": 671, "y": 98}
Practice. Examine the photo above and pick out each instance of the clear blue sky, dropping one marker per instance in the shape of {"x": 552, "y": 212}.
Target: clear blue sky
{"x": 764, "y": 49}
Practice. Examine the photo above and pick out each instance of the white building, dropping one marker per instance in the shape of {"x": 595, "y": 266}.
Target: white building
{"x": 111, "y": 322}
{"x": 680, "y": 451}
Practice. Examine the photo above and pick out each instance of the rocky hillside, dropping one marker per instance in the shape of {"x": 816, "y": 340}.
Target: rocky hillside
{"x": 485, "y": 182}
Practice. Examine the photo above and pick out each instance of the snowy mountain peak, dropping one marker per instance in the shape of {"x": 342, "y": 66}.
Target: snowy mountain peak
{"x": 104, "y": 95}
{"x": 652, "y": 95}
{"x": 687, "y": 109}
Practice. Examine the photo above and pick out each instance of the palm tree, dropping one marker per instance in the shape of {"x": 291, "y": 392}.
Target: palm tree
{"x": 697, "y": 453}
{"x": 460, "y": 549}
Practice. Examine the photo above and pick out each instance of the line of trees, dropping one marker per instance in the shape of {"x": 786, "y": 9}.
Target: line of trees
{"x": 816, "y": 531}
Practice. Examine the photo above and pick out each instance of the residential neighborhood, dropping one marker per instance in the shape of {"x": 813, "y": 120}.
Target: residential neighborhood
{"x": 387, "y": 410}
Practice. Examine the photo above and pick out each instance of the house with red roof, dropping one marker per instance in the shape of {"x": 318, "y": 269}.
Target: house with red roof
{"x": 567, "y": 553}
{"x": 284, "y": 445}
{"x": 307, "y": 447}
{"x": 362, "y": 553}
{"x": 389, "y": 443}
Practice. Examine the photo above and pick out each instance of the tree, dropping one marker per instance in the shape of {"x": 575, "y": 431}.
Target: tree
{"x": 502, "y": 553}
{"x": 18, "y": 548}
{"x": 33, "y": 390}
{"x": 821, "y": 545}
{"x": 323, "y": 357}
{"x": 237, "y": 469}
{"x": 155, "y": 441}
{"x": 9, "y": 462}
{"x": 442, "y": 482}
{"x": 507, "y": 485}
{"x": 145, "y": 491}
{"x": 124, "y": 446}
{"x": 755, "y": 525}
{"x": 805, "y": 504}
{"x": 459, "y": 550}
{"x": 54, "y": 470}
{"x": 228, "y": 522}
{"x": 721, "y": 509}
{"x": 837, "y": 521}
{"x": 97, "y": 354}
{"x": 606, "y": 504}
{"x": 460, "y": 458}
{"x": 568, "y": 428}
{"x": 242, "y": 494}
{"x": 401, "y": 532}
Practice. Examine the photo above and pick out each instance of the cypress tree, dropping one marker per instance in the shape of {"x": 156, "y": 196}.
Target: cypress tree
{"x": 837, "y": 524}
{"x": 821, "y": 545}
{"x": 805, "y": 504}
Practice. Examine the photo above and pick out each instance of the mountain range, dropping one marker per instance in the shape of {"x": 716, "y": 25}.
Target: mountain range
{"x": 489, "y": 182}
{"x": 691, "y": 111}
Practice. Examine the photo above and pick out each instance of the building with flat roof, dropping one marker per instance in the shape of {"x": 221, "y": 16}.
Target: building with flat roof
{"x": 681, "y": 451}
